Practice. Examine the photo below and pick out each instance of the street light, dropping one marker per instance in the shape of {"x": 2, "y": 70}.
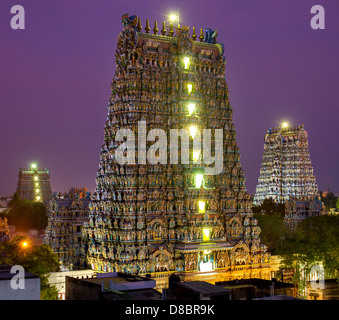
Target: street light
{"x": 24, "y": 244}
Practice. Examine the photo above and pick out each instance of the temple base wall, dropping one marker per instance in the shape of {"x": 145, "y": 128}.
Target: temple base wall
{"x": 238, "y": 272}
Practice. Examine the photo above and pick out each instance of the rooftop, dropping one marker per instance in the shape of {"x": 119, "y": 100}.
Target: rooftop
{"x": 6, "y": 274}
{"x": 203, "y": 287}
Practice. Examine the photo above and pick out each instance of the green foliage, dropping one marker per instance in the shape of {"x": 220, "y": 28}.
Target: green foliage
{"x": 316, "y": 240}
{"x": 270, "y": 216}
{"x": 329, "y": 200}
{"x": 39, "y": 260}
{"x": 270, "y": 208}
{"x": 26, "y": 214}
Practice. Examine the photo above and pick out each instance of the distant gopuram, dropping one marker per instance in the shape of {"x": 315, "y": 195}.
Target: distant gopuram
{"x": 34, "y": 184}
{"x": 165, "y": 204}
{"x": 286, "y": 172}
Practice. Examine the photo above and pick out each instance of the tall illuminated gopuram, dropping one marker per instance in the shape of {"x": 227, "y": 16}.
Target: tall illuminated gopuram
{"x": 34, "y": 184}
{"x": 286, "y": 171}
{"x": 286, "y": 174}
{"x": 170, "y": 214}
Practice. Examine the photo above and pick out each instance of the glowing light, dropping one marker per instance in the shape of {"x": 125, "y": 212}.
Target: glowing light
{"x": 199, "y": 180}
{"x": 191, "y": 107}
{"x": 37, "y": 184}
{"x": 33, "y": 166}
{"x": 189, "y": 88}
{"x": 206, "y": 266}
{"x": 173, "y": 17}
{"x": 186, "y": 62}
{"x": 202, "y": 206}
{"x": 24, "y": 244}
{"x": 37, "y": 190}
{"x": 36, "y": 178}
{"x": 285, "y": 124}
{"x": 205, "y": 234}
{"x": 196, "y": 156}
{"x": 193, "y": 131}
{"x": 38, "y": 198}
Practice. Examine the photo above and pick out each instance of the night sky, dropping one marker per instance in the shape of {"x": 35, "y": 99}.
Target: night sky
{"x": 55, "y": 80}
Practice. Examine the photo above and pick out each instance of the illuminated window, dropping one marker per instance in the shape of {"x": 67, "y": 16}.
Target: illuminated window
{"x": 202, "y": 206}
{"x": 205, "y": 234}
{"x": 189, "y": 88}
{"x": 186, "y": 62}
{"x": 191, "y": 107}
{"x": 199, "y": 180}
{"x": 193, "y": 131}
{"x": 196, "y": 156}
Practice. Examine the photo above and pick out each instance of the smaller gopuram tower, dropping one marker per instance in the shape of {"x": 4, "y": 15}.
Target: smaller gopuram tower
{"x": 34, "y": 184}
{"x": 286, "y": 172}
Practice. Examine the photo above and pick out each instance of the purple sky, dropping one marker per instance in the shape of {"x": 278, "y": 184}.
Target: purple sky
{"x": 55, "y": 80}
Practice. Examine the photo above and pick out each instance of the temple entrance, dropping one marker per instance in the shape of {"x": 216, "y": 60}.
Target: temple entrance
{"x": 206, "y": 261}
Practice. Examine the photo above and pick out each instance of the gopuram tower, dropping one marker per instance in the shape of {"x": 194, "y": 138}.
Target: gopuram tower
{"x": 170, "y": 195}
{"x": 286, "y": 171}
{"x": 286, "y": 174}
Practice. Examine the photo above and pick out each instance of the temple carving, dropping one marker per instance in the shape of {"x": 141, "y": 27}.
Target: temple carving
{"x": 287, "y": 176}
{"x": 160, "y": 217}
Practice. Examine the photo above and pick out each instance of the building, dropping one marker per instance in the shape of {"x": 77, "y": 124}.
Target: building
{"x": 58, "y": 279}
{"x": 158, "y": 211}
{"x": 111, "y": 286}
{"x": 297, "y": 210}
{"x": 66, "y": 216}
{"x": 286, "y": 171}
{"x": 249, "y": 289}
{"x": 34, "y": 184}
{"x": 4, "y": 203}
{"x": 17, "y": 284}
{"x": 327, "y": 289}
{"x": 279, "y": 297}
{"x": 197, "y": 290}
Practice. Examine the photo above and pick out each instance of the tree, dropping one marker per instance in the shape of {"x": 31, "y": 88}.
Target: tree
{"x": 25, "y": 214}
{"x": 39, "y": 260}
{"x": 270, "y": 216}
{"x": 329, "y": 200}
{"x": 314, "y": 242}
{"x": 270, "y": 207}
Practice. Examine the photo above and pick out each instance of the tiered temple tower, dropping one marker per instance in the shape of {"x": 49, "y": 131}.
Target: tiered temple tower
{"x": 167, "y": 213}
{"x": 286, "y": 172}
{"x": 34, "y": 184}
{"x": 66, "y": 215}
